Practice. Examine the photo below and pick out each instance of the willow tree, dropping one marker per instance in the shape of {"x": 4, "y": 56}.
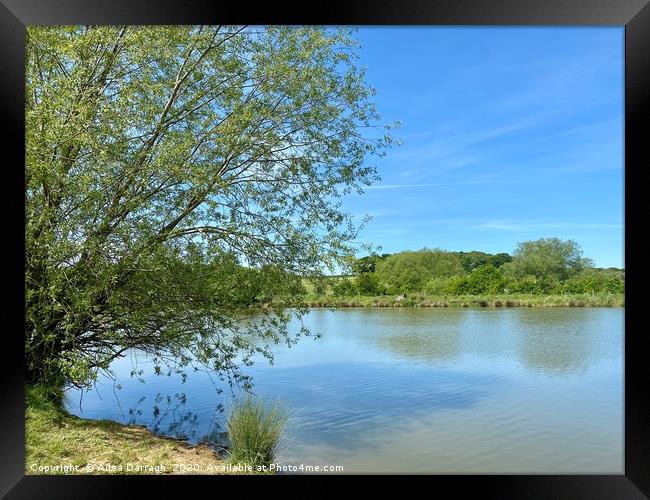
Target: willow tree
{"x": 162, "y": 163}
{"x": 548, "y": 259}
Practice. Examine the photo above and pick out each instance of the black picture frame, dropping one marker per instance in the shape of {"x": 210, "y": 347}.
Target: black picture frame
{"x": 633, "y": 14}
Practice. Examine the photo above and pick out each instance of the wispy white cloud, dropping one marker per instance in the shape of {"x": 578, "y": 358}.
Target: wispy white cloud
{"x": 520, "y": 226}
{"x": 447, "y": 144}
{"x": 597, "y": 129}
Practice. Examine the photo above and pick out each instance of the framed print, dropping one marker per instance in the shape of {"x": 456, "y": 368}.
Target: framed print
{"x": 379, "y": 240}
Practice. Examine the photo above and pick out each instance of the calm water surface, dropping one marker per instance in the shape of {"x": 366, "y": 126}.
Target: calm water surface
{"x": 416, "y": 390}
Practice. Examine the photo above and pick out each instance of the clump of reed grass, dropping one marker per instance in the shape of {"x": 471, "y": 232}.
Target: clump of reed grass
{"x": 254, "y": 429}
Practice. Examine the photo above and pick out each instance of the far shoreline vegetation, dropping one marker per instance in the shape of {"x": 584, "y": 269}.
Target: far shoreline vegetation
{"x": 548, "y": 272}
{"x": 495, "y": 301}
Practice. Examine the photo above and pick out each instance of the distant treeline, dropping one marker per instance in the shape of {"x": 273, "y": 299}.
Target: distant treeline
{"x": 548, "y": 266}
{"x": 544, "y": 266}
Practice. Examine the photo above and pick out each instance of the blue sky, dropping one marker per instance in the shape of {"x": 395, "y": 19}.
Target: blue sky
{"x": 509, "y": 134}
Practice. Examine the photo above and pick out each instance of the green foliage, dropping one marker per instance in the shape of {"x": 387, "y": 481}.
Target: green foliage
{"x": 367, "y": 264}
{"x": 368, "y": 284}
{"x": 473, "y": 260}
{"x": 526, "y": 284}
{"x": 320, "y": 286}
{"x": 409, "y": 271}
{"x": 438, "y": 286}
{"x": 615, "y": 285}
{"x": 175, "y": 173}
{"x": 549, "y": 259}
{"x": 596, "y": 280}
{"x": 455, "y": 285}
{"x": 507, "y": 299}
{"x": 486, "y": 279}
{"x": 344, "y": 286}
{"x": 255, "y": 429}
{"x": 542, "y": 267}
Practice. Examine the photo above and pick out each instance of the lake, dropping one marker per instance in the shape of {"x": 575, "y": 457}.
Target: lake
{"x": 416, "y": 390}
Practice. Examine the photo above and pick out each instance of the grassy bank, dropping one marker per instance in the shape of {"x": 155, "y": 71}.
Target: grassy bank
{"x": 56, "y": 439}
{"x": 510, "y": 300}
